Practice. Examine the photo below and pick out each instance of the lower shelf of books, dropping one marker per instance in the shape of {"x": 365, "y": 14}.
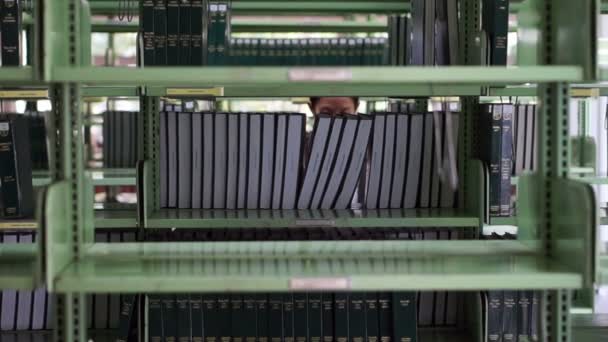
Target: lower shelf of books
{"x": 18, "y": 266}
{"x": 215, "y": 218}
{"x": 303, "y": 265}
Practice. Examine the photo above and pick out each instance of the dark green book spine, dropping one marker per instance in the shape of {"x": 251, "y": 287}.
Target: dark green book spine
{"x": 327, "y": 315}
{"x": 126, "y": 313}
{"x": 149, "y": 40}
{"x": 371, "y": 317}
{"x": 10, "y": 25}
{"x": 250, "y": 317}
{"x": 506, "y": 160}
{"x": 224, "y": 318}
{"x": 288, "y": 320}
{"x": 315, "y": 318}
{"x": 238, "y": 324}
{"x": 275, "y": 317}
{"x": 534, "y": 307}
{"x": 501, "y": 31}
{"x": 262, "y": 317}
{"x": 300, "y": 317}
{"x": 196, "y": 317}
{"x": 494, "y": 157}
{"x": 160, "y": 32}
{"x": 404, "y": 317}
{"x": 222, "y": 34}
{"x": 185, "y": 39}
{"x": 210, "y": 318}
{"x": 196, "y": 33}
{"x": 212, "y": 25}
{"x": 495, "y": 316}
{"x": 173, "y": 30}
{"x": 169, "y": 318}
{"x": 509, "y": 318}
{"x": 385, "y": 317}
{"x": 341, "y": 316}
{"x": 523, "y": 317}
{"x": 183, "y": 318}
{"x": 16, "y": 193}
{"x": 356, "y": 317}
{"x": 155, "y": 318}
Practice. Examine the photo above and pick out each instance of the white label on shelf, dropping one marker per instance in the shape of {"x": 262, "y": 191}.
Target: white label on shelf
{"x": 320, "y": 283}
{"x": 4, "y": 126}
{"x": 315, "y": 223}
{"x": 320, "y": 74}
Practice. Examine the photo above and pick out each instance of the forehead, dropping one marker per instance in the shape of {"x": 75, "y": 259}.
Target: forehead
{"x": 335, "y": 102}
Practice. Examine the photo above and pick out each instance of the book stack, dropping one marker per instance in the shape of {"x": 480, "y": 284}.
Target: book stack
{"x": 307, "y": 51}
{"x": 217, "y": 160}
{"x": 16, "y": 190}
{"x": 495, "y": 24}
{"x": 434, "y": 32}
{"x": 399, "y": 36}
{"x": 120, "y": 139}
{"x": 509, "y": 141}
{"x": 184, "y": 32}
{"x": 283, "y": 317}
{"x": 10, "y": 32}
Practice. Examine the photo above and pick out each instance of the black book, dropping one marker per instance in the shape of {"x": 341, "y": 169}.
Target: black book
{"x": 196, "y": 317}
{"x": 254, "y": 161}
{"x": 275, "y": 315}
{"x": 173, "y": 168}
{"x": 16, "y": 193}
{"x": 288, "y": 319}
{"x": 320, "y": 135}
{"x": 155, "y": 318}
{"x": 185, "y": 39}
{"x": 418, "y": 32}
{"x": 220, "y": 160}
{"x": 249, "y": 317}
{"x": 173, "y": 31}
{"x": 341, "y": 316}
{"x": 232, "y": 172}
{"x": 223, "y": 317}
{"x": 10, "y": 26}
{"x": 534, "y": 312}
{"x": 495, "y": 316}
{"x": 183, "y": 318}
{"x": 385, "y": 317}
{"x": 400, "y": 161}
{"x": 147, "y": 25}
{"x": 262, "y": 317}
{"x": 237, "y": 318}
{"x": 169, "y": 317}
{"x": 126, "y": 314}
{"x": 414, "y": 161}
{"x": 196, "y": 33}
{"x": 377, "y": 150}
{"x": 160, "y": 32}
{"x": 492, "y": 131}
{"x": 279, "y": 160}
{"x": 327, "y": 316}
{"x": 267, "y": 164}
{"x": 197, "y": 160}
{"x": 300, "y": 317}
{"x": 243, "y": 161}
{"x": 371, "y": 317}
{"x": 523, "y": 315}
{"x": 404, "y": 317}
{"x": 184, "y": 165}
{"x": 506, "y": 160}
{"x": 509, "y": 318}
{"x": 211, "y": 319}
{"x": 356, "y": 317}
{"x": 315, "y": 318}
{"x": 387, "y": 165}
{"x": 499, "y": 31}
{"x": 208, "y": 160}
{"x": 293, "y": 159}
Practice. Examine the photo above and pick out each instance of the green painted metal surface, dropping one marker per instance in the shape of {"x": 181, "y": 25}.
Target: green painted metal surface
{"x": 58, "y": 242}
{"x": 18, "y": 266}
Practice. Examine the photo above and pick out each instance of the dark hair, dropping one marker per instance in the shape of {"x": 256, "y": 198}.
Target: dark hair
{"x": 315, "y": 99}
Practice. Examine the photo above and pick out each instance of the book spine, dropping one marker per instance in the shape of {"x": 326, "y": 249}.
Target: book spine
{"x": 534, "y": 312}
{"x": 210, "y": 318}
{"x": 223, "y": 317}
{"x": 356, "y": 317}
{"x": 126, "y": 313}
{"x": 169, "y": 318}
{"x": 196, "y": 33}
{"x": 498, "y": 38}
{"x": 185, "y": 39}
{"x": 495, "y": 316}
{"x": 250, "y": 317}
{"x": 10, "y": 25}
{"x": 183, "y": 317}
{"x": 495, "y": 134}
{"x": 288, "y": 319}
{"x": 15, "y": 168}
{"x": 300, "y": 317}
{"x": 523, "y": 316}
{"x": 149, "y": 41}
{"x": 509, "y": 318}
{"x": 371, "y": 317}
{"x": 506, "y": 160}
{"x": 196, "y": 317}
{"x": 341, "y": 316}
{"x": 404, "y": 317}
{"x": 385, "y": 317}
{"x": 221, "y": 46}
{"x": 262, "y": 317}
{"x": 275, "y": 315}
{"x": 155, "y": 318}
{"x": 237, "y": 318}
{"x": 315, "y": 318}
{"x": 173, "y": 31}
{"x": 327, "y": 316}
{"x": 160, "y": 32}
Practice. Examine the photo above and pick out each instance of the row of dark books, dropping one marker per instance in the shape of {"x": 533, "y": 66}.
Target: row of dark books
{"x": 10, "y": 32}
{"x": 508, "y": 147}
{"x": 512, "y": 315}
{"x": 283, "y": 317}
{"x": 184, "y": 32}
{"x": 495, "y": 25}
{"x": 120, "y": 139}
{"x": 307, "y": 51}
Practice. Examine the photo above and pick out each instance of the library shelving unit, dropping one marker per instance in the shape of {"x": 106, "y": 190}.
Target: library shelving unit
{"x": 556, "y": 247}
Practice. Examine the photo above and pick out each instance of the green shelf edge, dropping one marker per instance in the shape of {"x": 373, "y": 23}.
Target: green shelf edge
{"x": 18, "y": 266}
{"x": 503, "y": 221}
{"x": 112, "y": 218}
{"x": 216, "y": 218}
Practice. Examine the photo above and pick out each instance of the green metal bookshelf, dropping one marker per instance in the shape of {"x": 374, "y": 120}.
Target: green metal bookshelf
{"x": 555, "y": 250}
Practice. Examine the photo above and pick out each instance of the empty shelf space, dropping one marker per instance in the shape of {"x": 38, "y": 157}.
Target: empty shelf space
{"x": 114, "y": 218}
